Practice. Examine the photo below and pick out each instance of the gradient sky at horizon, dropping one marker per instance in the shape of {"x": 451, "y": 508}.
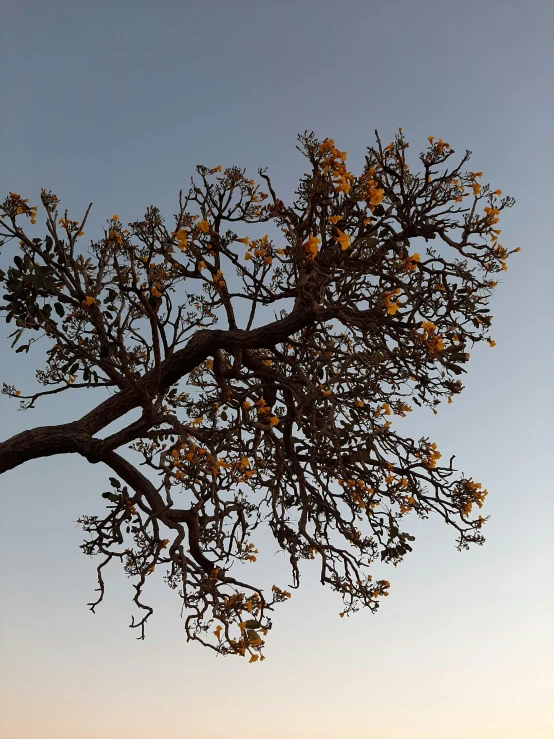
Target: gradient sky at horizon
{"x": 115, "y": 103}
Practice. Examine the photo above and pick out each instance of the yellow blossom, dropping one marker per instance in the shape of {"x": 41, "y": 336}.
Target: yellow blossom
{"x": 375, "y": 197}
{"x": 343, "y": 239}
{"x": 411, "y": 261}
{"x": 204, "y": 226}
{"x": 387, "y": 300}
{"x": 311, "y": 247}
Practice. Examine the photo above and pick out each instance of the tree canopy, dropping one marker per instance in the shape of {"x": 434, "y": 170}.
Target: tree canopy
{"x": 265, "y": 368}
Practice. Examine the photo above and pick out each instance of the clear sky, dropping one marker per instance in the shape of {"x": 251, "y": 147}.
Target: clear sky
{"x": 115, "y": 102}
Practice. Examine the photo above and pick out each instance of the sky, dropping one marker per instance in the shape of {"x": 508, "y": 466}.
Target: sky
{"x": 115, "y": 103}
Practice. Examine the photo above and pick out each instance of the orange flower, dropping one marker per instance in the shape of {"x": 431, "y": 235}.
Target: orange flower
{"x": 375, "y": 196}
{"x": 311, "y": 247}
{"x": 391, "y": 307}
{"x": 342, "y": 185}
{"x": 411, "y": 261}
{"x": 343, "y": 239}
{"x": 204, "y": 226}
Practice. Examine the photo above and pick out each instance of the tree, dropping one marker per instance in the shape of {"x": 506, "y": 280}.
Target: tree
{"x": 297, "y": 348}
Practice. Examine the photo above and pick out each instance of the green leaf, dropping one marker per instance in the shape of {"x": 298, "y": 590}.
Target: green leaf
{"x": 17, "y": 334}
{"x": 252, "y": 624}
{"x": 115, "y": 482}
{"x": 454, "y": 368}
{"x": 370, "y": 242}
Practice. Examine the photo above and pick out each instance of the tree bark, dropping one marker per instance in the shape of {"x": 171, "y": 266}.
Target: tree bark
{"x": 78, "y": 436}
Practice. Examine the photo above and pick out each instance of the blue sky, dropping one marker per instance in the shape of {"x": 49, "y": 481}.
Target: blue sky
{"x": 115, "y": 103}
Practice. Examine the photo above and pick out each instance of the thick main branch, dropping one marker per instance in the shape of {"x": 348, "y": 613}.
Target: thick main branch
{"x": 78, "y": 436}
